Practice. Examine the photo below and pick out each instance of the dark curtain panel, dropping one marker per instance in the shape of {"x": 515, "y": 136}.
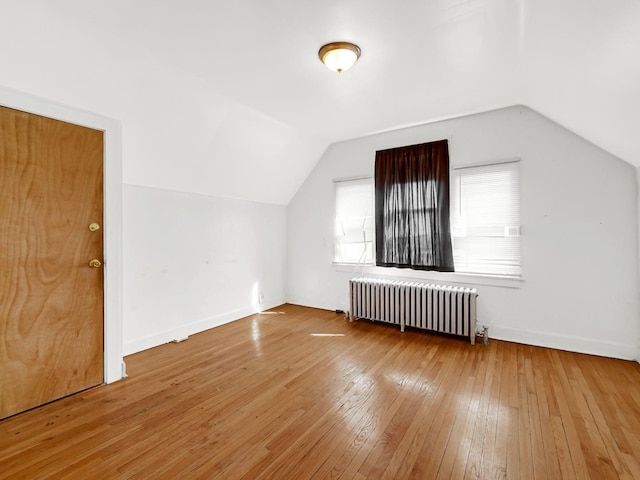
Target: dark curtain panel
{"x": 412, "y": 207}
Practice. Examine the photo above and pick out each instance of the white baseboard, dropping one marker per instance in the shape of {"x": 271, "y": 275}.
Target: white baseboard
{"x": 306, "y": 302}
{"x": 182, "y": 331}
{"x": 527, "y": 337}
{"x": 531, "y": 337}
{"x": 563, "y": 342}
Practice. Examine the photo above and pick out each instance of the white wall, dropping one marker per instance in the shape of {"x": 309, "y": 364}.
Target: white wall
{"x": 580, "y": 232}
{"x": 192, "y": 262}
{"x": 156, "y": 67}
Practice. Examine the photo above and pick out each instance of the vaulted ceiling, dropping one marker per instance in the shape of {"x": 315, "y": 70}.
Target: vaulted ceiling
{"x": 229, "y": 97}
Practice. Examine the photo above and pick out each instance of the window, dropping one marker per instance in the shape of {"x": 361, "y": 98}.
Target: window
{"x": 485, "y": 219}
{"x": 412, "y": 207}
{"x": 353, "y": 231}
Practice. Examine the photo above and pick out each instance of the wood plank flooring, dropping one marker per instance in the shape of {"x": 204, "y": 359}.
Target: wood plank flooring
{"x": 299, "y": 393}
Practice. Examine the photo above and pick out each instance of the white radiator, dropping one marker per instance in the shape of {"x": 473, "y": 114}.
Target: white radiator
{"x": 432, "y": 307}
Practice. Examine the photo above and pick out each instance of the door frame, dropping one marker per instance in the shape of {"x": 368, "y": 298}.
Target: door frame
{"x": 114, "y": 366}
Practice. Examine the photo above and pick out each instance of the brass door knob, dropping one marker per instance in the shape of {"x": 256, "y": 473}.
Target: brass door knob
{"x": 95, "y": 263}
{"x": 94, "y": 226}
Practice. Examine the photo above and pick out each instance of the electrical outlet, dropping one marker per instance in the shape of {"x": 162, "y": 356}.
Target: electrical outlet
{"x": 260, "y": 298}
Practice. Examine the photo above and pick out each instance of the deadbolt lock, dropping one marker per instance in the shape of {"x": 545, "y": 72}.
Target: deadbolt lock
{"x": 95, "y": 263}
{"x": 94, "y": 226}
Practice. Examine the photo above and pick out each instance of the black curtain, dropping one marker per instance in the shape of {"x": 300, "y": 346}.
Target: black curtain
{"x": 412, "y": 207}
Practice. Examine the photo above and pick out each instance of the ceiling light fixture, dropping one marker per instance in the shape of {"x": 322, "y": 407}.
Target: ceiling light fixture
{"x": 339, "y": 56}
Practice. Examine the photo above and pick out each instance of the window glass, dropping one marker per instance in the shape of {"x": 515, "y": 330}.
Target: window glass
{"x": 485, "y": 219}
{"x": 353, "y": 230}
{"x": 412, "y": 207}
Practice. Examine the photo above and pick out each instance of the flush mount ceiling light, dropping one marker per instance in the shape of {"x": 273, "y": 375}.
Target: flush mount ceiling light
{"x": 339, "y": 56}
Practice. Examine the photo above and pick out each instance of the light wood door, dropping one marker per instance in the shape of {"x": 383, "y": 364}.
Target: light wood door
{"x": 51, "y": 300}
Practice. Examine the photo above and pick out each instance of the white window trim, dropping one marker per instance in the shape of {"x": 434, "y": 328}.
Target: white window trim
{"x": 355, "y": 265}
{"x": 432, "y": 276}
{"x": 513, "y": 281}
{"x": 505, "y": 281}
{"x": 488, "y": 163}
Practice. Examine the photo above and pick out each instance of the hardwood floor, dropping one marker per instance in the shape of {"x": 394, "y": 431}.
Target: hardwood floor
{"x": 299, "y": 393}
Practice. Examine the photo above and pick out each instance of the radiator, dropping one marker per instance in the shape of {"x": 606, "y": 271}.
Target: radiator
{"x": 440, "y": 308}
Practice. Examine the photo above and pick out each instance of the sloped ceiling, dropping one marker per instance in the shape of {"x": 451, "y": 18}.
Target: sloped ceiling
{"x": 229, "y": 98}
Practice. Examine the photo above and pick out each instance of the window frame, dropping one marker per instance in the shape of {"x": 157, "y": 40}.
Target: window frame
{"x": 500, "y": 281}
{"x": 368, "y": 179}
{"x": 407, "y": 177}
{"x": 512, "y": 160}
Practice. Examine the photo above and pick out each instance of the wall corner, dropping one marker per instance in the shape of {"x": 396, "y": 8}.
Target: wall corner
{"x": 638, "y": 244}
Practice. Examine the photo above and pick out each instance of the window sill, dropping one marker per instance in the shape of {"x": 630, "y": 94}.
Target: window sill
{"x": 407, "y": 274}
{"x": 347, "y": 266}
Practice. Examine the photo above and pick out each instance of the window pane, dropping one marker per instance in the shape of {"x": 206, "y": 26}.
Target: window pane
{"x": 353, "y": 232}
{"x": 485, "y": 219}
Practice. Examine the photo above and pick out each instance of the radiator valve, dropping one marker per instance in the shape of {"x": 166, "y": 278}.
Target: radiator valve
{"x": 483, "y": 335}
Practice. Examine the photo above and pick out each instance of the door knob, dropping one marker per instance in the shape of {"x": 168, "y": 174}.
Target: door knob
{"x": 94, "y": 226}
{"x": 95, "y": 263}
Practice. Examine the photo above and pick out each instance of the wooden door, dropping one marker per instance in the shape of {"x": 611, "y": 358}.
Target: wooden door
{"x": 51, "y": 300}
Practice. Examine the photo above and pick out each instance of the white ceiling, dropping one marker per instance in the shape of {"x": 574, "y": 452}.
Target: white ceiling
{"x": 229, "y": 98}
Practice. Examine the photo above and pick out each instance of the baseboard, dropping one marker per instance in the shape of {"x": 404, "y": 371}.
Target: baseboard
{"x": 306, "y": 302}
{"x": 562, "y": 342}
{"x": 182, "y": 331}
{"x": 527, "y": 337}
